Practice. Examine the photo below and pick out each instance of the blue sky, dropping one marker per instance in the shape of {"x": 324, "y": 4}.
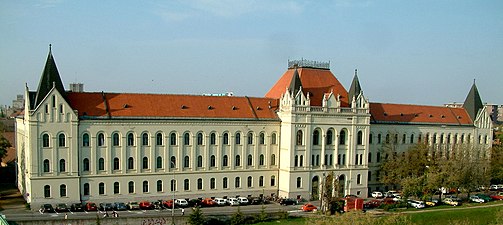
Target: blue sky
{"x": 414, "y": 52}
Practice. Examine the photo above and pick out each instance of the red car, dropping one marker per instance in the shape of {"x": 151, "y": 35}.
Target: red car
{"x": 168, "y": 204}
{"x": 308, "y": 207}
{"x": 146, "y": 205}
{"x": 498, "y": 196}
{"x": 372, "y": 204}
{"x": 208, "y": 202}
{"x": 91, "y": 206}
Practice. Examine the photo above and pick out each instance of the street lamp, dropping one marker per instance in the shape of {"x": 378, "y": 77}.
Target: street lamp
{"x": 173, "y": 184}
{"x": 323, "y": 194}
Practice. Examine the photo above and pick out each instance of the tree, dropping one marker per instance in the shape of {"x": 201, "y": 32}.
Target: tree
{"x": 497, "y": 164}
{"x": 237, "y": 218}
{"x": 4, "y": 145}
{"x": 197, "y": 217}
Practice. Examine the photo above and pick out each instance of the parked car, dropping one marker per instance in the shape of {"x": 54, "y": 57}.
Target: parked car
{"x": 256, "y": 201}
{"x": 397, "y": 198}
{"x": 133, "y": 205}
{"x": 233, "y": 201}
{"x": 498, "y": 196}
{"x": 309, "y": 207}
{"x": 91, "y": 206}
{"x": 220, "y": 201}
{"x": 416, "y": 204}
{"x": 486, "y": 198}
{"x": 450, "y": 201}
{"x": 390, "y": 194}
{"x": 46, "y": 208}
{"x": 477, "y": 199}
{"x": 146, "y": 205}
{"x": 182, "y": 203}
{"x": 350, "y": 196}
{"x": 243, "y": 201}
{"x": 106, "y": 206}
{"x": 374, "y": 203}
{"x": 432, "y": 202}
{"x": 377, "y": 194}
{"x": 194, "y": 202}
{"x": 493, "y": 187}
{"x": 77, "y": 207}
{"x": 61, "y": 207}
{"x": 288, "y": 201}
{"x": 120, "y": 206}
{"x": 208, "y": 202}
{"x": 168, "y": 204}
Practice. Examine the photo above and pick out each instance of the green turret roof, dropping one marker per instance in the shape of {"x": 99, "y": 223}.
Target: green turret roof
{"x": 473, "y": 103}
{"x": 50, "y": 77}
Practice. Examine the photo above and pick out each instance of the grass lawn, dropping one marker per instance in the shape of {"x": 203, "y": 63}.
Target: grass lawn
{"x": 289, "y": 221}
{"x": 461, "y": 216}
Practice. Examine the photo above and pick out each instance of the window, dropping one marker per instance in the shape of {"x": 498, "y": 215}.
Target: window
{"x": 250, "y": 160}
{"x": 331, "y": 160}
{"x": 250, "y": 138}
{"x": 159, "y": 186}
{"x": 299, "y": 182}
{"x": 342, "y": 137}
{"x": 317, "y": 160}
{"x": 116, "y": 188}
{"x": 238, "y": 138}
{"x": 212, "y": 183}
{"x": 339, "y": 159}
{"x": 250, "y": 181}
{"x": 130, "y": 139}
{"x": 47, "y": 191}
{"x": 329, "y": 137}
{"x": 101, "y": 164}
{"x": 145, "y": 163}
{"x": 145, "y": 186}
{"x": 212, "y": 161}
{"x": 46, "y": 165}
{"x": 101, "y": 188}
{"x": 116, "y": 163}
{"x": 299, "y": 137}
{"x": 213, "y": 139}
{"x": 200, "y": 161}
{"x": 378, "y": 138}
{"x": 186, "y": 185}
{"x": 412, "y": 138}
{"x": 359, "y": 139}
{"x": 261, "y": 181}
{"x": 199, "y": 184}
{"x": 172, "y": 139}
{"x": 54, "y": 101}
{"x": 237, "y": 182}
{"x": 45, "y": 140}
{"x": 261, "y": 159}
{"x": 85, "y": 140}
{"x": 226, "y": 138}
{"x": 46, "y": 109}
{"x": 370, "y": 157}
{"x": 130, "y": 163}
{"x": 370, "y": 138}
{"x": 378, "y": 159}
{"x": 186, "y": 161}
{"x": 85, "y": 166}
{"x": 369, "y": 177}
{"x": 199, "y": 139}
{"x": 359, "y": 179}
{"x": 224, "y": 182}
{"x": 101, "y": 139}
{"x": 343, "y": 159}
{"x": 62, "y": 165}
{"x": 361, "y": 159}
{"x": 273, "y": 160}
{"x": 131, "y": 187}
{"x": 62, "y": 190}
{"x": 262, "y": 139}
{"x": 158, "y": 139}
{"x": 296, "y": 161}
{"x": 186, "y": 139}
{"x": 301, "y": 160}
{"x": 356, "y": 159}
{"x": 115, "y": 139}
{"x": 316, "y": 137}
{"x": 273, "y": 139}
{"x": 173, "y": 162}
{"x": 225, "y": 161}
{"x": 238, "y": 160}
{"x": 61, "y": 109}
{"x": 61, "y": 140}
{"x": 144, "y": 139}
{"x": 86, "y": 189}
{"x": 404, "y": 138}
{"x": 273, "y": 180}
{"x": 159, "y": 162}
{"x": 395, "y": 139}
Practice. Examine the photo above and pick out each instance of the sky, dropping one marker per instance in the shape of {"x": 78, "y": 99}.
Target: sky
{"x": 424, "y": 52}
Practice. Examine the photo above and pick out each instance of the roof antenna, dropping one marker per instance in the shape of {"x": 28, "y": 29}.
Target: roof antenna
{"x": 50, "y": 48}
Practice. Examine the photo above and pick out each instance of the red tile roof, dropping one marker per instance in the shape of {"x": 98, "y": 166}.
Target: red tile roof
{"x": 129, "y": 105}
{"x": 402, "y": 113}
{"x": 315, "y": 81}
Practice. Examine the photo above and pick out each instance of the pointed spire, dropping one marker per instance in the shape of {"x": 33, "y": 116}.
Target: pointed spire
{"x": 473, "y": 102}
{"x": 50, "y": 78}
{"x": 295, "y": 84}
{"x": 355, "y": 88}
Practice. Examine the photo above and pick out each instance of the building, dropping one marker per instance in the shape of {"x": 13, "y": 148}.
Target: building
{"x": 99, "y": 146}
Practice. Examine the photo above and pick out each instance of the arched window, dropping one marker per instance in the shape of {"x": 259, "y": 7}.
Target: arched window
{"x": 250, "y": 160}
{"x": 62, "y": 165}
{"x": 131, "y": 187}
{"x": 45, "y": 140}
{"x": 330, "y": 137}
{"x": 299, "y": 137}
{"x": 359, "y": 139}
{"x": 186, "y": 161}
{"x": 101, "y": 188}
{"x": 238, "y": 160}
{"x": 173, "y": 162}
{"x": 250, "y": 181}
{"x": 145, "y": 186}
{"x": 296, "y": 161}
{"x": 130, "y": 139}
{"x": 387, "y": 139}
{"x": 159, "y": 185}
{"x": 301, "y": 160}
{"x": 144, "y": 139}
{"x": 359, "y": 179}
{"x": 186, "y": 139}
{"x": 115, "y": 139}
{"x": 370, "y": 157}
{"x": 47, "y": 191}
{"x": 262, "y": 139}
{"x": 261, "y": 160}
{"x": 86, "y": 189}
{"x": 273, "y": 160}
{"x": 101, "y": 164}
{"x": 370, "y": 138}
{"x": 145, "y": 162}
{"x": 199, "y": 139}
{"x": 212, "y": 183}
{"x": 172, "y": 139}
{"x": 213, "y": 161}
{"x": 261, "y": 181}
{"x": 316, "y": 137}
{"x": 130, "y": 163}
{"x": 225, "y": 161}
{"x": 61, "y": 140}
{"x": 317, "y": 160}
{"x": 158, "y": 139}
{"x": 116, "y": 187}
{"x": 226, "y": 138}
{"x": 273, "y": 181}
{"x": 331, "y": 160}
{"x": 46, "y": 165}
{"x": 62, "y": 190}
{"x": 116, "y": 163}
{"x": 412, "y": 138}
{"x": 199, "y": 161}
{"x": 173, "y": 185}
{"x": 224, "y": 182}
{"x": 238, "y": 138}
{"x": 85, "y": 165}
{"x": 342, "y": 137}
{"x": 237, "y": 182}
{"x": 101, "y": 139}
{"x": 273, "y": 138}
{"x": 378, "y": 138}
{"x": 199, "y": 184}
{"x": 85, "y": 140}
{"x": 299, "y": 182}
{"x": 159, "y": 162}
{"x": 213, "y": 139}
{"x": 250, "y": 138}
{"x": 186, "y": 185}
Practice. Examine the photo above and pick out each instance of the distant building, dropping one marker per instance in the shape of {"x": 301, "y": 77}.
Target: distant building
{"x": 18, "y": 103}
{"x": 77, "y": 87}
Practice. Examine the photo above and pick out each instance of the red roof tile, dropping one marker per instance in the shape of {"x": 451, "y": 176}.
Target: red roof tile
{"x": 402, "y": 113}
{"x": 171, "y": 106}
{"x": 315, "y": 81}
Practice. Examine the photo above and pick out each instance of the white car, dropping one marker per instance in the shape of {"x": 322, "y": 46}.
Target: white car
{"x": 416, "y": 204}
{"x": 474, "y": 198}
{"x": 220, "y": 201}
{"x": 243, "y": 200}
{"x": 377, "y": 194}
{"x": 181, "y": 203}
{"x": 391, "y": 194}
{"x": 233, "y": 201}
{"x": 397, "y": 198}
